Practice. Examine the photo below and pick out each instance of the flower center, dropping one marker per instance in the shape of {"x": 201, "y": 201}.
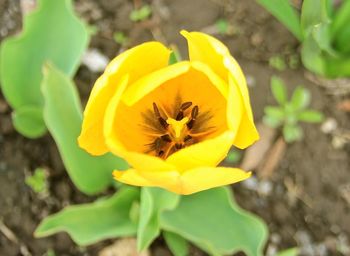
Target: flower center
{"x": 172, "y": 134}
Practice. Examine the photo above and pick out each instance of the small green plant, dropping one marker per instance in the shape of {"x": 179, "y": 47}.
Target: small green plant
{"x": 277, "y": 62}
{"x": 222, "y": 26}
{"x": 323, "y": 30}
{"x": 233, "y": 156}
{"x": 120, "y": 38}
{"x": 37, "y": 181}
{"x": 141, "y": 14}
{"x": 290, "y": 112}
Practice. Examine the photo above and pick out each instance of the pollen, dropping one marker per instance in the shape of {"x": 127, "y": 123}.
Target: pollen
{"x": 186, "y": 125}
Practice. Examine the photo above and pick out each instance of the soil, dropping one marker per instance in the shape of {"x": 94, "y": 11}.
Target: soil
{"x": 305, "y": 202}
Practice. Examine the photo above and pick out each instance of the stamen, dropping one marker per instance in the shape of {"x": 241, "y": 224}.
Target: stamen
{"x": 183, "y": 107}
{"x": 161, "y": 120}
{"x": 194, "y": 114}
{"x": 166, "y": 138}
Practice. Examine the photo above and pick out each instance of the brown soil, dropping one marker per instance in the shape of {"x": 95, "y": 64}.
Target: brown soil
{"x": 305, "y": 203}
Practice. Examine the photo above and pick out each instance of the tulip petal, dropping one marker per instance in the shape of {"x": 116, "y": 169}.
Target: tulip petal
{"x": 209, "y": 152}
{"x": 203, "y": 178}
{"x": 211, "y": 51}
{"x": 192, "y": 181}
{"x": 131, "y": 177}
{"x": 148, "y": 83}
{"x": 136, "y": 63}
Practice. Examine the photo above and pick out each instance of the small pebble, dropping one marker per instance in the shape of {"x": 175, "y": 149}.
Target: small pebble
{"x": 94, "y": 60}
{"x": 329, "y": 125}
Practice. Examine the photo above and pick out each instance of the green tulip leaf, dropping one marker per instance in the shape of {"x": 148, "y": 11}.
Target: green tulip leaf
{"x": 285, "y": 13}
{"x": 177, "y": 244}
{"x": 51, "y": 33}
{"x": 215, "y": 223}
{"x": 28, "y": 120}
{"x": 63, "y": 118}
{"x": 153, "y": 202}
{"x": 90, "y": 223}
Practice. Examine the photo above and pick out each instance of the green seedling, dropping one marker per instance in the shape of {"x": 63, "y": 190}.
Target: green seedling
{"x": 222, "y": 26}
{"x": 323, "y": 31}
{"x": 38, "y": 181}
{"x": 120, "y": 38}
{"x": 289, "y": 113}
{"x": 277, "y": 62}
{"x": 233, "y": 156}
{"x": 141, "y": 14}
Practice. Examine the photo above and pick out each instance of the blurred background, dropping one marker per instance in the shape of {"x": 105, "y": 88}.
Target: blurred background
{"x": 301, "y": 189}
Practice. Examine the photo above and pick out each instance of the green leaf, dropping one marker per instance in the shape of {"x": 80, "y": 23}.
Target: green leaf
{"x": 233, "y": 156}
{"x": 311, "y": 116}
{"x": 63, "y": 117}
{"x": 177, "y": 244}
{"x": 277, "y": 62}
{"x": 28, "y": 120}
{"x": 272, "y": 122}
{"x": 313, "y": 12}
{"x": 301, "y": 98}
{"x": 141, "y": 14}
{"x": 90, "y": 223}
{"x": 285, "y": 13}
{"x": 312, "y": 56}
{"x": 340, "y": 27}
{"x": 214, "y": 222}
{"x": 338, "y": 67}
{"x": 153, "y": 202}
{"x": 289, "y": 252}
{"x": 279, "y": 90}
{"x": 53, "y": 33}
{"x": 292, "y": 133}
{"x": 275, "y": 112}
{"x": 37, "y": 181}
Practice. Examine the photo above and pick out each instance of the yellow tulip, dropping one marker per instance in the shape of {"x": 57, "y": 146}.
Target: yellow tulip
{"x": 172, "y": 123}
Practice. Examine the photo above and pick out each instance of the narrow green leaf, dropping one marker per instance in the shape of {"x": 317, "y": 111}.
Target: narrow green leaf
{"x": 311, "y": 116}
{"x": 275, "y": 112}
{"x": 177, "y": 244}
{"x": 289, "y": 252}
{"x": 285, "y": 13}
{"x": 292, "y": 133}
{"x": 313, "y": 12}
{"x": 312, "y": 56}
{"x": 28, "y": 120}
{"x": 301, "y": 98}
{"x": 214, "y": 222}
{"x": 63, "y": 117}
{"x": 272, "y": 122}
{"x": 153, "y": 202}
{"x": 279, "y": 90}
{"x": 53, "y": 33}
{"x": 341, "y": 19}
{"x": 90, "y": 223}
{"x": 338, "y": 67}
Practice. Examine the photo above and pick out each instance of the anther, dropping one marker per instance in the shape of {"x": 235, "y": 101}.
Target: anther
{"x": 178, "y": 146}
{"x": 161, "y": 120}
{"x": 194, "y": 114}
{"x": 183, "y": 107}
{"x": 187, "y": 138}
{"x": 166, "y": 138}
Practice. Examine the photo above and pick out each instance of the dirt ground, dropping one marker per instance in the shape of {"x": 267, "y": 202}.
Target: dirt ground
{"x": 305, "y": 202}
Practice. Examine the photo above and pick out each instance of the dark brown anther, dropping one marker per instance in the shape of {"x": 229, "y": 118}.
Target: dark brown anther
{"x": 194, "y": 114}
{"x": 161, "y": 120}
{"x": 183, "y": 107}
{"x": 166, "y": 138}
{"x": 178, "y": 146}
{"x": 161, "y": 153}
{"x": 187, "y": 138}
